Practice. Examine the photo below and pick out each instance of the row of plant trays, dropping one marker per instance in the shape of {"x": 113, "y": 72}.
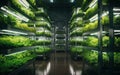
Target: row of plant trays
{"x": 20, "y": 69}
{"x": 13, "y": 50}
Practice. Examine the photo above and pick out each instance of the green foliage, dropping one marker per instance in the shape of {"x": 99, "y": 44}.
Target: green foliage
{"x": 105, "y": 41}
{"x": 13, "y": 61}
{"x": 91, "y": 12}
{"x": 33, "y": 2}
{"x": 77, "y": 31}
{"x": 14, "y": 41}
{"x": 90, "y": 26}
{"x": 76, "y": 49}
{"x": 85, "y": 4}
{"x": 104, "y": 2}
{"x": 44, "y": 24}
{"x": 91, "y": 57}
{"x": 76, "y": 41}
{"x": 117, "y": 41}
{"x": 43, "y": 33}
{"x": 117, "y": 20}
{"x": 26, "y": 11}
{"x": 105, "y": 20}
{"x": 92, "y": 41}
{"x": 24, "y": 26}
{"x": 77, "y": 22}
{"x": 42, "y": 50}
{"x": 42, "y": 42}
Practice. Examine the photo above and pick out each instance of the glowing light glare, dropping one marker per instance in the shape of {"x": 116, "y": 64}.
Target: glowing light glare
{"x": 71, "y": 1}
{"x": 78, "y": 9}
{"x": 14, "y": 32}
{"x": 51, "y": 1}
{"x": 17, "y": 15}
{"x": 93, "y": 3}
{"x": 117, "y": 14}
{"x": 71, "y": 70}
{"x": 24, "y": 3}
{"x": 79, "y": 72}
{"x": 48, "y": 68}
{"x": 96, "y": 16}
{"x": 116, "y": 9}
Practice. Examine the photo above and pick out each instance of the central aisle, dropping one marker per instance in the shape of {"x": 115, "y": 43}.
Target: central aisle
{"x": 59, "y": 64}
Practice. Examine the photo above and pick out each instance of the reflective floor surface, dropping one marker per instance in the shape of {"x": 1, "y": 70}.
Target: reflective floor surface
{"x": 58, "y": 64}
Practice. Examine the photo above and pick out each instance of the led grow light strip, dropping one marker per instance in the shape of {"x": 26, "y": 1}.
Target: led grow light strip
{"x": 116, "y": 9}
{"x": 16, "y": 53}
{"x": 17, "y": 15}
{"x": 7, "y": 33}
{"x": 24, "y": 3}
{"x": 96, "y": 16}
{"x": 93, "y": 3}
{"x": 15, "y": 32}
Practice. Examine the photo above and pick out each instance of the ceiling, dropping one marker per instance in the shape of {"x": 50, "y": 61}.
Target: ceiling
{"x": 59, "y": 3}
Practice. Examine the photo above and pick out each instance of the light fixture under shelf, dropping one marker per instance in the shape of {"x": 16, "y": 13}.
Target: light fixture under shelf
{"x": 13, "y": 32}
{"x": 24, "y": 3}
{"x": 95, "y": 17}
{"x": 93, "y": 4}
{"x": 13, "y": 13}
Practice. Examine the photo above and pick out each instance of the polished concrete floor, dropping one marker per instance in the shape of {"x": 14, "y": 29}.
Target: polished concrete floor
{"x": 60, "y": 63}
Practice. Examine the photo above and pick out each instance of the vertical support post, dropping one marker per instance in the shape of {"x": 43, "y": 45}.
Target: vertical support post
{"x": 100, "y": 38}
{"x": 111, "y": 36}
{"x": 67, "y": 37}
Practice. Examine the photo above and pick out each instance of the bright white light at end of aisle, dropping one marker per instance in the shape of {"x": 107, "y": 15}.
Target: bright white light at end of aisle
{"x": 71, "y": 1}
{"x": 51, "y": 1}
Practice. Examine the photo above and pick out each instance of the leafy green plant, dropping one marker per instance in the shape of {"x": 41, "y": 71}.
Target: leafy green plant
{"x": 24, "y": 26}
{"x": 42, "y": 50}
{"x": 90, "y": 26}
{"x": 14, "y": 41}
{"x": 33, "y": 2}
{"x": 77, "y": 32}
{"x": 77, "y": 22}
{"x": 19, "y": 6}
{"x": 117, "y": 20}
{"x": 13, "y": 61}
{"x": 85, "y": 4}
{"x": 92, "y": 41}
{"x": 76, "y": 41}
{"x": 43, "y": 33}
{"x": 42, "y": 42}
{"x": 76, "y": 49}
{"x": 91, "y": 12}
